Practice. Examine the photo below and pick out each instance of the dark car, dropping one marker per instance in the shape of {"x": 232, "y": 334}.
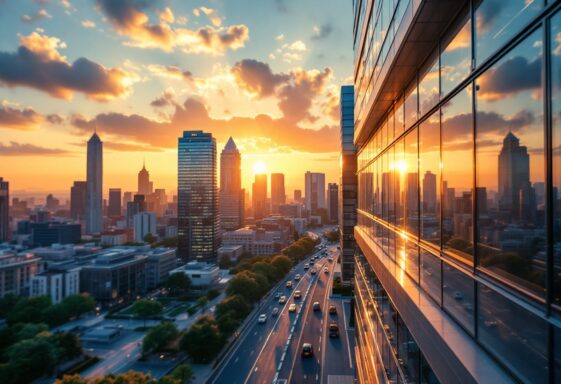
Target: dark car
{"x": 307, "y": 350}
{"x": 316, "y": 307}
{"x": 333, "y": 330}
{"x": 332, "y": 310}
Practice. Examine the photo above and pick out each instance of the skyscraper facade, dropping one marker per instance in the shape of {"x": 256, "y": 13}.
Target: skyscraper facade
{"x": 4, "y": 210}
{"x": 197, "y": 197}
{"x": 332, "y": 202}
{"x": 94, "y": 180}
{"x": 315, "y": 191}
{"x": 298, "y": 195}
{"x": 114, "y": 205}
{"x": 145, "y": 186}
{"x": 259, "y": 196}
{"x": 78, "y": 193}
{"x": 278, "y": 194}
{"x": 348, "y": 184}
{"x": 457, "y": 270}
{"x": 231, "y": 192}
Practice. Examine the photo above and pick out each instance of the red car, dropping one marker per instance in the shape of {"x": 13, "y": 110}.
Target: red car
{"x": 307, "y": 350}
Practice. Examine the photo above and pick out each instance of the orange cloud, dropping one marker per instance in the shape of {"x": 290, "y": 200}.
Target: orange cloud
{"x": 23, "y": 119}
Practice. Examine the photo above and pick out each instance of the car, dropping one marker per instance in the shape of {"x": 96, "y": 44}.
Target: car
{"x": 332, "y": 310}
{"x": 278, "y": 295}
{"x": 458, "y": 295}
{"x": 333, "y": 329}
{"x": 282, "y": 299}
{"x": 262, "y": 318}
{"x": 307, "y": 350}
{"x": 289, "y": 284}
{"x": 313, "y": 271}
{"x": 316, "y": 307}
{"x": 311, "y": 262}
{"x": 325, "y": 270}
{"x": 330, "y": 259}
{"x": 297, "y": 277}
{"x": 292, "y": 308}
{"x": 306, "y": 266}
{"x": 275, "y": 311}
{"x": 297, "y": 294}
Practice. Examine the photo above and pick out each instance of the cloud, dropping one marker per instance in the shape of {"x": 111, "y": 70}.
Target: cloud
{"x": 38, "y": 64}
{"x": 166, "y": 99}
{"x": 515, "y": 75}
{"x": 18, "y": 149}
{"x": 41, "y": 14}
{"x": 88, "y": 24}
{"x": 280, "y": 37}
{"x": 322, "y": 32}
{"x": 290, "y": 52}
{"x": 129, "y": 19}
{"x": 170, "y": 71}
{"x": 166, "y": 16}
{"x": 257, "y": 77}
{"x": 20, "y": 119}
{"x": 194, "y": 115}
{"x": 211, "y": 13}
{"x": 124, "y": 147}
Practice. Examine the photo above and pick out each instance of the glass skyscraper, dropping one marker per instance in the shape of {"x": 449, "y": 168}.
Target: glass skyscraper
{"x": 458, "y": 131}
{"x": 94, "y": 186}
{"x": 197, "y": 197}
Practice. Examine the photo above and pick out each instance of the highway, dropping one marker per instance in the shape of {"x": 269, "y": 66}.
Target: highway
{"x": 271, "y": 352}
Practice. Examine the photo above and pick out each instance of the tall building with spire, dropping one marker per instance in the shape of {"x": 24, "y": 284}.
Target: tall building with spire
{"x": 94, "y": 183}
{"x": 231, "y": 192}
{"x": 145, "y": 186}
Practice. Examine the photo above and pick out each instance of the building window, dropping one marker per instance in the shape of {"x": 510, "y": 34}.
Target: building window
{"x": 429, "y": 89}
{"x": 457, "y": 296}
{"x": 429, "y": 170}
{"x": 410, "y": 107}
{"x": 455, "y": 59}
{"x": 431, "y": 276}
{"x": 457, "y": 176}
{"x": 412, "y": 183}
{"x": 510, "y": 167}
{"x": 497, "y": 21}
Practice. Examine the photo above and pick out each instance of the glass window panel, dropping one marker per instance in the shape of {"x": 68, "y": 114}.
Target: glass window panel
{"x": 515, "y": 335}
{"x": 556, "y": 164}
{"x": 457, "y": 295}
{"x": 557, "y": 352}
{"x": 455, "y": 59}
{"x": 429, "y": 171}
{"x": 457, "y": 175}
{"x": 427, "y": 374}
{"x": 510, "y": 167}
{"x": 429, "y": 91}
{"x": 400, "y": 172}
{"x": 412, "y": 260}
{"x": 497, "y": 21}
{"x": 412, "y": 183}
{"x": 431, "y": 274}
{"x": 410, "y": 107}
{"x": 398, "y": 117}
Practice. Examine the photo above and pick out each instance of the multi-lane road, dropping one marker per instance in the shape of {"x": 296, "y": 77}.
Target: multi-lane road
{"x": 271, "y": 352}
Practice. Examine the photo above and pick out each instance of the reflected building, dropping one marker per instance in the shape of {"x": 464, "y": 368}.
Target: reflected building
{"x": 514, "y": 177}
{"x": 231, "y": 192}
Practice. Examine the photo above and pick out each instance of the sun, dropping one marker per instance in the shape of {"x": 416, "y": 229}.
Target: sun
{"x": 259, "y": 167}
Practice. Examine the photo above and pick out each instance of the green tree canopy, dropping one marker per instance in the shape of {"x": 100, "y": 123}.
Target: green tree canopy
{"x": 177, "y": 283}
{"x": 282, "y": 264}
{"x": 158, "y": 337}
{"x": 77, "y": 305}
{"x": 146, "y": 308}
{"x": 203, "y": 341}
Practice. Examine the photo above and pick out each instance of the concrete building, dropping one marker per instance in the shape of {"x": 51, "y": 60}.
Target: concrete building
{"x": 144, "y": 223}
{"x": 57, "y": 283}
{"x": 202, "y": 275}
{"x": 278, "y": 194}
{"x": 298, "y": 195}
{"x": 231, "y": 192}
{"x": 115, "y": 237}
{"x": 54, "y": 252}
{"x": 53, "y": 232}
{"x": 315, "y": 192}
{"x": 4, "y": 210}
{"x": 161, "y": 261}
{"x": 114, "y": 206}
{"x": 259, "y": 204}
{"x": 94, "y": 184}
{"x": 78, "y": 194}
{"x": 233, "y": 252}
{"x": 268, "y": 239}
{"x": 293, "y": 210}
{"x": 16, "y": 272}
{"x": 332, "y": 202}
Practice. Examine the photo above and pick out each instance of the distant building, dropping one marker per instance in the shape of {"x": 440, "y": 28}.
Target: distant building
{"x": 233, "y": 252}
{"x": 127, "y": 197}
{"x": 298, "y": 195}
{"x": 46, "y": 234}
{"x": 145, "y": 186}
{"x": 161, "y": 261}
{"x": 114, "y": 274}
{"x": 268, "y": 239}
{"x": 16, "y": 272}
{"x": 197, "y": 201}
{"x": 114, "y": 238}
{"x": 278, "y": 195}
{"x": 52, "y": 203}
{"x": 231, "y": 192}
{"x": 315, "y": 191}
{"x": 144, "y": 224}
{"x": 293, "y": 210}
{"x": 78, "y": 194}
{"x": 54, "y": 253}
{"x": 4, "y": 210}
{"x": 94, "y": 192}
{"x": 259, "y": 197}
{"x": 332, "y": 202}
{"x": 57, "y": 283}
{"x": 114, "y": 206}
{"x": 202, "y": 275}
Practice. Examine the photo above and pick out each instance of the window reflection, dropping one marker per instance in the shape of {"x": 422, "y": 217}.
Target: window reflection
{"x": 455, "y": 59}
{"x": 457, "y": 175}
{"x": 411, "y": 105}
{"x": 457, "y": 295}
{"x": 431, "y": 274}
{"x": 412, "y": 183}
{"x": 497, "y": 21}
{"x": 429, "y": 91}
{"x": 511, "y": 194}
{"x": 429, "y": 171}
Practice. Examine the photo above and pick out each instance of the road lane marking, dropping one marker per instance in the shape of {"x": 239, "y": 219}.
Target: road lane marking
{"x": 347, "y": 336}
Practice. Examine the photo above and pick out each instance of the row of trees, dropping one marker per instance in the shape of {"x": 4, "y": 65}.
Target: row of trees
{"x": 182, "y": 374}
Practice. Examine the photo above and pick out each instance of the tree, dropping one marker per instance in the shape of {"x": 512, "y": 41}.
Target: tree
{"x": 202, "y": 302}
{"x": 235, "y": 304}
{"x": 265, "y": 269}
{"x": 77, "y": 305}
{"x": 158, "y": 337}
{"x": 177, "y": 283}
{"x": 282, "y": 264}
{"x": 8, "y": 302}
{"x": 56, "y": 314}
{"x": 203, "y": 341}
{"x": 183, "y": 373}
{"x": 149, "y": 238}
{"x": 131, "y": 377}
{"x": 146, "y": 308}
{"x": 244, "y": 284}
{"x": 29, "y": 310}
{"x": 30, "y": 330}
{"x": 68, "y": 344}
{"x": 225, "y": 262}
{"x": 32, "y": 358}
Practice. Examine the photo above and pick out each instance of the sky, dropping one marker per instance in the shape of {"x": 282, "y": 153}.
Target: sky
{"x": 265, "y": 72}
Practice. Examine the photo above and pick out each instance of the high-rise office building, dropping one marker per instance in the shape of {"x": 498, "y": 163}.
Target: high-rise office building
{"x": 457, "y": 269}
{"x": 144, "y": 223}
{"x": 298, "y": 195}
{"x": 333, "y": 202}
{"x": 4, "y": 210}
{"x": 315, "y": 191}
{"x": 278, "y": 194}
{"x": 114, "y": 206}
{"x": 78, "y": 193}
{"x": 197, "y": 197}
{"x": 94, "y": 180}
{"x": 347, "y": 184}
{"x": 145, "y": 186}
{"x": 231, "y": 192}
{"x": 259, "y": 196}
{"x": 127, "y": 196}
{"x": 52, "y": 203}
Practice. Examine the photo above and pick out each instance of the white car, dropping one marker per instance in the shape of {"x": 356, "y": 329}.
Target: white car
{"x": 262, "y": 318}
{"x": 282, "y": 300}
{"x": 275, "y": 311}
{"x": 297, "y": 277}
